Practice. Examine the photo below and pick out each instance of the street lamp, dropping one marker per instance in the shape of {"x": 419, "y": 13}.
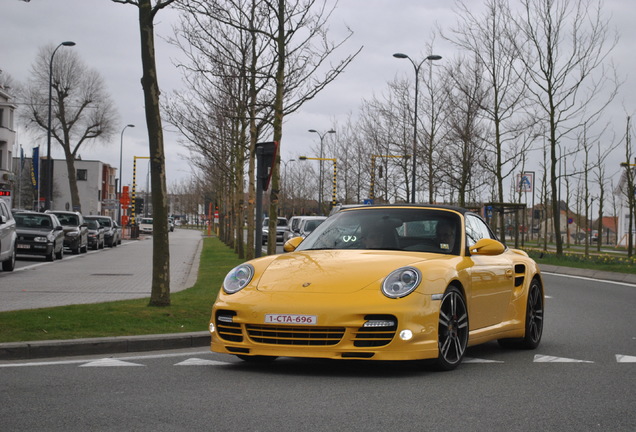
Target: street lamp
{"x": 121, "y": 147}
{"x": 49, "y": 192}
{"x": 417, "y": 72}
{"x": 322, "y": 136}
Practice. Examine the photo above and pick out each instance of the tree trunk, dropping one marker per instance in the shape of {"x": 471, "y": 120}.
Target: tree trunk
{"x": 160, "y": 295}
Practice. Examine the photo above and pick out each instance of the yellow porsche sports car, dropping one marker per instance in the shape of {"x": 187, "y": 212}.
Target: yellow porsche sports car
{"x": 398, "y": 282}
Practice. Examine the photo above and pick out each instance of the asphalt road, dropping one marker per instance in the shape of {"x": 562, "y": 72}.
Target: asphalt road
{"x": 581, "y": 378}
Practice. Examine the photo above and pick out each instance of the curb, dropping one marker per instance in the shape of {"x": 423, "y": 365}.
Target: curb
{"x": 109, "y": 345}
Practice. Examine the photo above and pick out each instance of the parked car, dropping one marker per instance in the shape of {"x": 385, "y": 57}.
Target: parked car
{"x": 145, "y": 225}
{"x": 394, "y": 282}
{"x": 112, "y": 236}
{"x": 292, "y": 226}
{"x": 39, "y": 234}
{"x": 170, "y": 224}
{"x": 119, "y": 234}
{"x": 307, "y": 225}
{"x": 7, "y": 238}
{"x": 95, "y": 234}
{"x": 75, "y": 230}
{"x": 281, "y": 228}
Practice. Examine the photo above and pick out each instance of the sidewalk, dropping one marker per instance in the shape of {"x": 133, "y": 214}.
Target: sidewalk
{"x": 123, "y": 272}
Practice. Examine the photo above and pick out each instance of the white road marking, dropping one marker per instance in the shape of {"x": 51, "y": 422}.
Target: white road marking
{"x": 590, "y": 279}
{"x": 477, "y": 360}
{"x": 200, "y": 362}
{"x": 538, "y": 358}
{"x": 625, "y": 358}
{"x": 109, "y": 362}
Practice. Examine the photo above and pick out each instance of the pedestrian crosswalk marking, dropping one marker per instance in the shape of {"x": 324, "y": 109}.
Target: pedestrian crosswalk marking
{"x": 551, "y": 359}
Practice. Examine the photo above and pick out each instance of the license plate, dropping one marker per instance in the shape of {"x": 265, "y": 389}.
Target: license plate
{"x": 291, "y": 319}
{"x": 24, "y": 246}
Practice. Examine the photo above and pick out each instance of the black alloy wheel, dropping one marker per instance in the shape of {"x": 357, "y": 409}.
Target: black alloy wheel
{"x": 534, "y": 321}
{"x": 452, "y": 329}
{"x": 534, "y": 317}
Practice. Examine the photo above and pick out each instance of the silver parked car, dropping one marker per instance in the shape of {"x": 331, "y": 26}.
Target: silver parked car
{"x": 7, "y": 238}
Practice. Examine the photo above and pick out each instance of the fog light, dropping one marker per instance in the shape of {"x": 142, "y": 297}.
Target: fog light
{"x": 379, "y": 323}
{"x": 406, "y": 335}
{"x": 211, "y": 327}
{"x": 225, "y": 318}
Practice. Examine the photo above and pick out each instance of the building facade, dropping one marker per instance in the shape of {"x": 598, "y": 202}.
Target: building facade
{"x": 96, "y": 184}
{"x": 7, "y": 143}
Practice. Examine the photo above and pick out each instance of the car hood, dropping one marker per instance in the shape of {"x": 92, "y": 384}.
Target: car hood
{"x": 31, "y": 231}
{"x": 334, "y": 271}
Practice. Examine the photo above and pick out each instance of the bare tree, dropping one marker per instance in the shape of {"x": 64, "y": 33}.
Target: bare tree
{"x": 160, "y": 295}
{"x": 490, "y": 40}
{"x": 564, "y": 46}
{"x": 81, "y": 109}
{"x": 464, "y": 142}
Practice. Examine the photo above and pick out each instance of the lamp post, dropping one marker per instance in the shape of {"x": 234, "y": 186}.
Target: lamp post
{"x": 417, "y": 72}
{"x": 322, "y": 136}
{"x": 49, "y": 192}
{"x": 121, "y": 147}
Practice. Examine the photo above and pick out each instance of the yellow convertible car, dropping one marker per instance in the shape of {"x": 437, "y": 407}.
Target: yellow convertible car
{"x": 397, "y": 282}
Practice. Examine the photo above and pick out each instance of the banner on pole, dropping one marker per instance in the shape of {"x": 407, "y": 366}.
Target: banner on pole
{"x": 35, "y": 167}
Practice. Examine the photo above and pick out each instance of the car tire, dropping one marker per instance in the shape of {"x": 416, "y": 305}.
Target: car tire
{"x": 9, "y": 264}
{"x": 452, "y": 331}
{"x": 50, "y": 257}
{"x": 534, "y": 321}
{"x": 76, "y": 251}
{"x": 84, "y": 249}
{"x": 59, "y": 255}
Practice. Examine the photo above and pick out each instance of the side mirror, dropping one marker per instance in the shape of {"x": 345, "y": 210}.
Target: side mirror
{"x": 58, "y": 228}
{"x": 291, "y": 244}
{"x": 3, "y": 220}
{"x": 487, "y": 246}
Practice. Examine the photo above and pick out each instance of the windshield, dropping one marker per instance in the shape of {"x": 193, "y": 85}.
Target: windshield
{"x": 32, "y": 221}
{"x": 92, "y": 224}
{"x": 68, "y": 219}
{"x": 408, "y": 229}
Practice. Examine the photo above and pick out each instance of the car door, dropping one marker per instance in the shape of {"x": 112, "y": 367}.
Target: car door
{"x": 5, "y": 231}
{"x": 491, "y": 276}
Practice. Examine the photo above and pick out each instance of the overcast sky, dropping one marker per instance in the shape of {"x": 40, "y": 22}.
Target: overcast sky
{"x": 107, "y": 39}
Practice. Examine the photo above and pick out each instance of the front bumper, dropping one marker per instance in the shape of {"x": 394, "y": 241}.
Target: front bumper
{"x": 339, "y": 333}
{"x": 34, "y": 248}
{"x": 72, "y": 242}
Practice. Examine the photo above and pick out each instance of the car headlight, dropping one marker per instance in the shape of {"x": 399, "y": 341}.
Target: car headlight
{"x": 40, "y": 239}
{"x": 238, "y": 278}
{"x": 401, "y": 282}
{"x": 72, "y": 233}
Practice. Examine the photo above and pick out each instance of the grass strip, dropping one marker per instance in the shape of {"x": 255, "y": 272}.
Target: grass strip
{"x": 189, "y": 310}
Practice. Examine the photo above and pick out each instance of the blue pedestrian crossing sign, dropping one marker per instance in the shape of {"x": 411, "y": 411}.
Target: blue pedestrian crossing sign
{"x": 525, "y": 182}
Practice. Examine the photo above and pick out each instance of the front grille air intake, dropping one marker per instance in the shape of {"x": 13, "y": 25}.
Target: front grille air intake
{"x": 295, "y": 335}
